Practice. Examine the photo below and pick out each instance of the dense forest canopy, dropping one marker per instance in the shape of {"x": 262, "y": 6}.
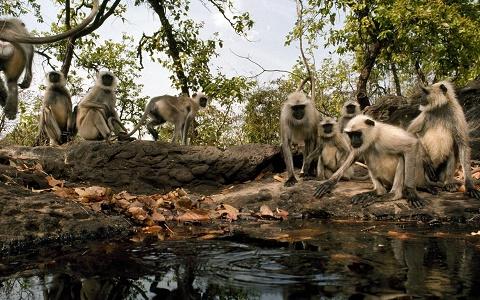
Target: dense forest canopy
{"x": 375, "y": 47}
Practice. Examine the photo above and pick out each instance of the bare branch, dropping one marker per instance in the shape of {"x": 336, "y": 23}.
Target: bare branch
{"x": 304, "y": 58}
{"x": 263, "y": 70}
{"x": 48, "y": 58}
{"x": 222, "y": 11}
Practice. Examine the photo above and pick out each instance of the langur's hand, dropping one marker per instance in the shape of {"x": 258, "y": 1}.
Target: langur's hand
{"x": 430, "y": 170}
{"x": 324, "y": 188}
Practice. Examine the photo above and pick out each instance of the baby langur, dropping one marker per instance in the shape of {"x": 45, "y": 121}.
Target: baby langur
{"x": 96, "y": 117}
{"x": 443, "y": 133}
{"x": 389, "y": 152}
{"x": 56, "y": 118}
{"x": 180, "y": 111}
{"x": 332, "y": 150}
{"x": 350, "y": 109}
{"x": 298, "y": 124}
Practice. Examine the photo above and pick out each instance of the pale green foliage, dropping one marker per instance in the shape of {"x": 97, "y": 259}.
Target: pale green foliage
{"x": 26, "y": 129}
{"x": 221, "y": 123}
{"x": 440, "y": 35}
{"x": 16, "y": 8}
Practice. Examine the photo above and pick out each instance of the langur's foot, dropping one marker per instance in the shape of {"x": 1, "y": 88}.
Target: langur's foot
{"x": 123, "y": 136}
{"x": 365, "y": 199}
{"x": 413, "y": 198}
{"x": 474, "y": 193}
{"x": 451, "y": 187}
{"x": 290, "y": 181}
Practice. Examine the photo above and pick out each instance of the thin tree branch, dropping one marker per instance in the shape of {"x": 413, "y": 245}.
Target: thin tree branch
{"x": 304, "y": 58}
{"x": 263, "y": 70}
{"x": 48, "y": 58}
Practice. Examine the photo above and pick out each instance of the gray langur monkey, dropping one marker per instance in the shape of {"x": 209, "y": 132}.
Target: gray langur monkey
{"x": 443, "y": 133}
{"x": 14, "y": 59}
{"x": 16, "y": 56}
{"x": 350, "y": 109}
{"x": 56, "y": 118}
{"x": 390, "y": 154}
{"x": 332, "y": 150}
{"x": 298, "y": 124}
{"x": 96, "y": 117}
{"x": 180, "y": 111}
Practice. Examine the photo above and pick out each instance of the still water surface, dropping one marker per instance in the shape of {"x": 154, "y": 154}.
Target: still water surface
{"x": 333, "y": 261}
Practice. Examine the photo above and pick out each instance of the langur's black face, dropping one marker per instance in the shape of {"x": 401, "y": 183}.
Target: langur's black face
{"x": 355, "y": 138}
{"x": 107, "y": 80}
{"x": 350, "y": 109}
{"x": 54, "y": 77}
{"x": 203, "y": 101}
{"x": 327, "y": 128}
{"x": 298, "y": 111}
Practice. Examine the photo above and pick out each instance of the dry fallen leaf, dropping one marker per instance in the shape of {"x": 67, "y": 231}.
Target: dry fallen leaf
{"x": 40, "y": 191}
{"x": 157, "y": 217}
{"x": 152, "y": 229}
{"x": 398, "y": 235}
{"x": 281, "y": 213}
{"x": 66, "y": 193}
{"x": 265, "y": 211}
{"x": 227, "y": 211}
{"x": 96, "y": 206}
{"x": 38, "y": 167}
{"x": 138, "y": 213}
{"x": 93, "y": 193}
{"x": 122, "y": 203}
{"x": 260, "y": 176}
{"x": 194, "y": 215}
{"x": 278, "y": 178}
{"x": 476, "y": 175}
{"x": 54, "y": 182}
{"x": 125, "y": 195}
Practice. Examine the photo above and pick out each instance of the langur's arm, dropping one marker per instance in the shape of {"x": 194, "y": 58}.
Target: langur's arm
{"x": 417, "y": 124}
{"x": 329, "y": 184}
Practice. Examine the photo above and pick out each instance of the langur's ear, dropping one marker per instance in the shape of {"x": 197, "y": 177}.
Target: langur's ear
{"x": 370, "y": 122}
{"x": 443, "y": 88}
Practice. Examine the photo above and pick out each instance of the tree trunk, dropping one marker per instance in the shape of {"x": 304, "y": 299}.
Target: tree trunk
{"x": 370, "y": 58}
{"x": 421, "y": 77}
{"x": 174, "y": 52}
{"x": 398, "y": 88}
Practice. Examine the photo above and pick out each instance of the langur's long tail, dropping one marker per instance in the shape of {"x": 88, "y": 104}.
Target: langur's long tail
{"x": 140, "y": 123}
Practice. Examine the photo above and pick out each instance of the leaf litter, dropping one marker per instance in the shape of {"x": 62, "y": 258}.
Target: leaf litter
{"x": 157, "y": 214}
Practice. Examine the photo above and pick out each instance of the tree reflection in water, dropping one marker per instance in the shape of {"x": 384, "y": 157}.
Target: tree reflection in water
{"x": 338, "y": 264}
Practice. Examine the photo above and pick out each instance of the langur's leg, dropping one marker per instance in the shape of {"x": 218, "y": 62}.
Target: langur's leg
{"x": 177, "y": 133}
{"x": 3, "y": 93}
{"x": 410, "y": 179}
{"x": 447, "y": 175}
{"x": 11, "y": 106}
{"x": 151, "y": 129}
{"x": 51, "y": 127}
{"x": 464, "y": 156}
{"x": 370, "y": 197}
{"x": 27, "y": 79}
